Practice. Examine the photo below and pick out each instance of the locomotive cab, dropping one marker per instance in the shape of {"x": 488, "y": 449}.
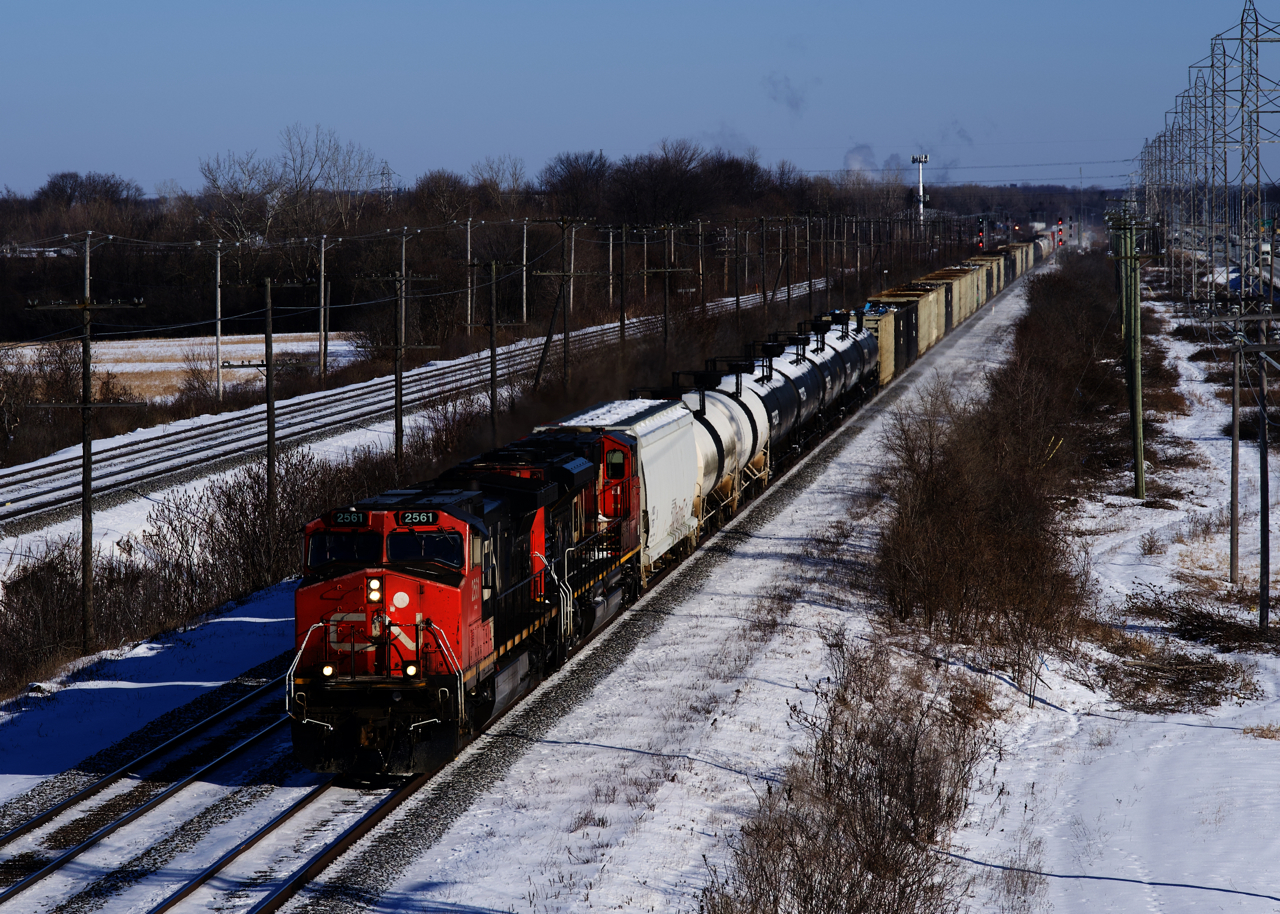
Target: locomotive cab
{"x": 388, "y": 614}
{"x": 424, "y": 612}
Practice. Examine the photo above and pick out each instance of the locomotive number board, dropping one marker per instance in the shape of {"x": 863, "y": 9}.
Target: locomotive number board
{"x": 417, "y": 518}
{"x": 349, "y": 519}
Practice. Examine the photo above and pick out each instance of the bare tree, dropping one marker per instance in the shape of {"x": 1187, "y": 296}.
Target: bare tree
{"x": 576, "y": 182}
{"x": 500, "y": 181}
{"x": 241, "y": 195}
{"x": 324, "y": 183}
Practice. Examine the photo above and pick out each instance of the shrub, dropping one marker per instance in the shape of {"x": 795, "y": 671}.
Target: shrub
{"x": 857, "y": 822}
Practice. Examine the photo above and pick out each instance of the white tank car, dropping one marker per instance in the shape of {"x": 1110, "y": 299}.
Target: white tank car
{"x": 667, "y": 453}
{"x": 724, "y": 441}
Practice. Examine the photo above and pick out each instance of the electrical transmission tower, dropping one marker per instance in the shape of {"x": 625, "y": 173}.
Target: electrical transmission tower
{"x": 388, "y": 187}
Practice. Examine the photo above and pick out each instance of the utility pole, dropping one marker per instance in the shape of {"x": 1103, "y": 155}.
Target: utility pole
{"x": 88, "y": 636}
{"x": 470, "y": 282}
{"x": 564, "y": 275}
{"x": 1235, "y": 448}
{"x": 399, "y": 357}
{"x": 737, "y": 274}
{"x": 399, "y": 345}
{"x": 493, "y": 353}
{"x": 644, "y": 270}
{"x": 666, "y": 291}
{"x": 1264, "y": 348}
{"x": 789, "y": 251}
{"x": 573, "y": 238}
{"x": 1124, "y": 231}
{"x": 808, "y": 256}
{"x": 271, "y": 436}
{"x": 702, "y": 276}
{"x": 764, "y": 249}
{"x": 217, "y": 315}
{"x": 321, "y": 343}
{"x": 524, "y": 274}
{"x": 1264, "y": 494}
{"x": 622, "y": 295}
{"x": 844, "y": 248}
{"x": 826, "y": 261}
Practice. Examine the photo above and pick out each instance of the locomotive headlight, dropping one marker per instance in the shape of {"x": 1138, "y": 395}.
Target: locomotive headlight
{"x": 327, "y": 670}
{"x": 411, "y": 669}
{"x": 373, "y": 591}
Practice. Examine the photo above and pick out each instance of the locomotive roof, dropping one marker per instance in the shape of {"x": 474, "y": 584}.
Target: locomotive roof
{"x": 471, "y": 505}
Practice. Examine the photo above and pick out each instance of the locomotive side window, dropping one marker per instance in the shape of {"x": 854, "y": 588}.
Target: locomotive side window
{"x": 361, "y": 548}
{"x": 615, "y": 464}
{"x": 475, "y": 550}
{"x": 443, "y": 548}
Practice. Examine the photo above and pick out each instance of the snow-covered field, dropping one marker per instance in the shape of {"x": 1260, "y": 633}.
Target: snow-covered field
{"x": 153, "y": 368}
{"x": 616, "y": 806}
{"x": 1129, "y": 812}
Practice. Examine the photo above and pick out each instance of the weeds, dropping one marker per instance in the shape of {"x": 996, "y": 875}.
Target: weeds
{"x": 855, "y": 823}
{"x": 972, "y": 552}
{"x": 1157, "y": 678}
{"x": 1193, "y": 618}
{"x": 1263, "y": 731}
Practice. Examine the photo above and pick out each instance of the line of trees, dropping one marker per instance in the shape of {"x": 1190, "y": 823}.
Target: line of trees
{"x": 317, "y": 185}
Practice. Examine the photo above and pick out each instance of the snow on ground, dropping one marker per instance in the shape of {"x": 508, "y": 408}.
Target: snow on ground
{"x": 618, "y": 804}
{"x": 1127, "y": 812}
{"x": 154, "y": 367}
{"x": 616, "y": 807}
{"x": 621, "y": 800}
{"x": 107, "y": 697}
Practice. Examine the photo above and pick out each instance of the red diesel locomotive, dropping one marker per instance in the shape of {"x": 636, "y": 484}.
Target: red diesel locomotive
{"x": 423, "y": 612}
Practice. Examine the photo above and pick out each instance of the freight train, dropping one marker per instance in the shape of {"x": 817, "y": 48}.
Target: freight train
{"x": 425, "y": 611}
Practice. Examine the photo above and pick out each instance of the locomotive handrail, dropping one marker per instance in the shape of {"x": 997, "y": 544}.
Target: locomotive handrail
{"x": 443, "y": 640}
{"x": 293, "y": 667}
{"x": 566, "y": 596}
{"x": 291, "y": 693}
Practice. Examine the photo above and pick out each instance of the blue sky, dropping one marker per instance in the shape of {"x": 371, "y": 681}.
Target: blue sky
{"x": 148, "y": 89}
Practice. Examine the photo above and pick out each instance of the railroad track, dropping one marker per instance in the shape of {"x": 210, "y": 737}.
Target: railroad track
{"x": 47, "y": 843}
{"x": 277, "y": 889}
{"x": 51, "y": 842}
{"x": 54, "y": 482}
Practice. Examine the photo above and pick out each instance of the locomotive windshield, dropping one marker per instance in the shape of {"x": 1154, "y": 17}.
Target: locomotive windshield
{"x": 439, "y": 546}
{"x": 358, "y": 548}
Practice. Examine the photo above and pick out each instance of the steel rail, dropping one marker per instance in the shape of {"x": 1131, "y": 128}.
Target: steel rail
{"x": 338, "y": 846}
{"x": 67, "y": 856}
{"x": 240, "y": 849}
{"x": 103, "y": 783}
